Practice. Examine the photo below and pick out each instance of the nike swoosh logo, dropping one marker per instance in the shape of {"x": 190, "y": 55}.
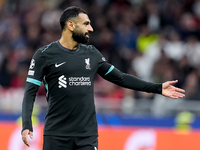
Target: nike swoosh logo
{"x": 58, "y": 65}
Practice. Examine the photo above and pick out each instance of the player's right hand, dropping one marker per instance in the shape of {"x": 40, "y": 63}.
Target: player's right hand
{"x": 25, "y": 134}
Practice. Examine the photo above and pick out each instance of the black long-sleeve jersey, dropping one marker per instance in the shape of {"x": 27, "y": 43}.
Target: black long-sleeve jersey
{"x": 68, "y": 76}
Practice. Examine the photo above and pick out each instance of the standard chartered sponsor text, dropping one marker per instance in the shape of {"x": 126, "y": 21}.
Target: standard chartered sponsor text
{"x": 79, "y": 81}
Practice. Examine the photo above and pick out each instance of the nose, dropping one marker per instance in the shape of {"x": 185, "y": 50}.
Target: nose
{"x": 90, "y": 29}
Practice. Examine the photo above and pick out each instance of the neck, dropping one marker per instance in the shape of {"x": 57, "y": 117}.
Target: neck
{"x": 68, "y": 42}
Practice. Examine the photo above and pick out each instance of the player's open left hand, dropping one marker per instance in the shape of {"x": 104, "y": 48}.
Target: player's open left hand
{"x": 169, "y": 90}
{"x": 25, "y": 134}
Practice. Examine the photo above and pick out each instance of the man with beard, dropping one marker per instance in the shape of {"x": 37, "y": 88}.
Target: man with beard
{"x": 67, "y": 67}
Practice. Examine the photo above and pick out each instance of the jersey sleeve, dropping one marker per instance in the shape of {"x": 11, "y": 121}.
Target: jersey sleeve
{"x": 112, "y": 74}
{"x": 36, "y": 69}
{"x": 34, "y": 80}
{"x": 99, "y": 57}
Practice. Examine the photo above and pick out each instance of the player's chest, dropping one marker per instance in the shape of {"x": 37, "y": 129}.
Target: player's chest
{"x": 72, "y": 64}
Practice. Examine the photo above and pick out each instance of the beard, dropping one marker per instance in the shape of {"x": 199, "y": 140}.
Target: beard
{"x": 80, "y": 37}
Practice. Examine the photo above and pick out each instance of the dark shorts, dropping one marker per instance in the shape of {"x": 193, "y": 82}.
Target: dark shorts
{"x": 70, "y": 143}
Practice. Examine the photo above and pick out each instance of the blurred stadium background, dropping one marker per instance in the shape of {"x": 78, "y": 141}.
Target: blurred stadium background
{"x": 156, "y": 40}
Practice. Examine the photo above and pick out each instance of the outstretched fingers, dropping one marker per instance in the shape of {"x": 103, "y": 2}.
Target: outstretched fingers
{"x": 179, "y": 90}
{"x": 171, "y": 91}
{"x": 179, "y": 93}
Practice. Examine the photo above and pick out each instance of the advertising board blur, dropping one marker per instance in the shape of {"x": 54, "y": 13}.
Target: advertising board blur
{"x": 111, "y": 138}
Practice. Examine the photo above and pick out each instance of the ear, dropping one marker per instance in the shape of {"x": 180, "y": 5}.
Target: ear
{"x": 70, "y": 25}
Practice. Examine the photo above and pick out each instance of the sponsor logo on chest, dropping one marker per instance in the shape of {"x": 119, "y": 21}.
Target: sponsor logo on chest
{"x": 73, "y": 81}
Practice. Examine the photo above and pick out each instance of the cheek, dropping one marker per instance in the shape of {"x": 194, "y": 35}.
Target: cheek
{"x": 80, "y": 30}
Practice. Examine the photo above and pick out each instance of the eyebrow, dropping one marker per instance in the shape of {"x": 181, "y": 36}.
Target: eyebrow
{"x": 86, "y": 22}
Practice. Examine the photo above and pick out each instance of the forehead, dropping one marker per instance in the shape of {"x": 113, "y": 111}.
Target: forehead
{"x": 83, "y": 17}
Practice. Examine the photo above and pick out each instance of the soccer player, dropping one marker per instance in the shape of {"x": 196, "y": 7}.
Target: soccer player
{"x": 67, "y": 67}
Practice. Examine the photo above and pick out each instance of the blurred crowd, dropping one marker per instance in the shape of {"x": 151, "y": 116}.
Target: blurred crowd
{"x": 156, "y": 40}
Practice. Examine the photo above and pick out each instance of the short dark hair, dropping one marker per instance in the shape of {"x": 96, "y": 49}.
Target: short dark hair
{"x": 68, "y": 13}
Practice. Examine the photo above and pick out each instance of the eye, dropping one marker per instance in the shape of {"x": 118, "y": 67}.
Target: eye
{"x": 86, "y": 23}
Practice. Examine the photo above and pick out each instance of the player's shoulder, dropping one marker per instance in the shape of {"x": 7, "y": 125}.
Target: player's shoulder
{"x": 47, "y": 47}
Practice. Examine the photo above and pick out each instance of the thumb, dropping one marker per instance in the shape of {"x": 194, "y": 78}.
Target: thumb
{"x": 173, "y": 82}
{"x": 31, "y": 134}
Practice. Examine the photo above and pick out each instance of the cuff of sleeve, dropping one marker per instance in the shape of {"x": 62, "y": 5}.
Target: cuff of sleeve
{"x": 27, "y": 126}
{"x": 160, "y": 88}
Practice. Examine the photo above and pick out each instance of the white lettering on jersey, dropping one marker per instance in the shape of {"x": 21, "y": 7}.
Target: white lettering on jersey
{"x": 58, "y": 65}
{"x": 103, "y": 58}
{"x": 79, "y": 81}
{"x": 32, "y": 65}
{"x": 62, "y": 81}
{"x": 31, "y": 72}
{"x": 87, "y": 61}
{"x": 95, "y": 148}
